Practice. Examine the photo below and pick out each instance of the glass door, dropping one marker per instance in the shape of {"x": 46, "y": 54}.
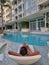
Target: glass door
{"x": 33, "y": 26}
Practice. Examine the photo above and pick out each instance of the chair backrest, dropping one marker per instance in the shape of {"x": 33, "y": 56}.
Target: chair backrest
{"x": 3, "y": 48}
{"x": 31, "y": 47}
{"x": 2, "y": 44}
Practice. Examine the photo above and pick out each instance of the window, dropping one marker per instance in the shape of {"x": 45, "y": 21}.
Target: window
{"x": 43, "y": 24}
{"x": 15, "y": 2}
{"x": 16, "y": 10}
{"x": 20, "y": 15}
{"x": 9, "y": 26}
{"x": 16, "y": 17}
{"x": 19, "y": 1}
{"x": 27, "y": 5}
{"x": 20, "y": 8}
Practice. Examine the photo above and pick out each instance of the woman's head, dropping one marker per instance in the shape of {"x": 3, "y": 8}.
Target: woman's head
{"x": 23, "y": 51}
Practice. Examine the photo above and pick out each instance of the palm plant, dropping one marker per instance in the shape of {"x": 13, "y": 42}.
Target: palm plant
{"x": 2, "y": 3}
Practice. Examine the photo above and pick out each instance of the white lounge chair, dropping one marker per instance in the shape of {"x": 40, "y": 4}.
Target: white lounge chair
{"x": 1, "y": 58}
{"x": 2, "y": 44}
{"x": 3, "y": 47}
{"x": 25, "y": 59}
{"x": 48, "y": 55}
{"x": 48, "y": 43}
{"x": 48, "y": 46}
{"x": 2, "y": 51}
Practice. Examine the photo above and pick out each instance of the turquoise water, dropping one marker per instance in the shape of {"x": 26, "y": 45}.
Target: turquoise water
{"x": 38, "y": 40}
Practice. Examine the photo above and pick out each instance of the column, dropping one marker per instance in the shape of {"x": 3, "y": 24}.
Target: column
{"x": 15, "y": 26}
{"x": 18, "y": 26}
{"x": 22, "y": 9}
{"x": 5, "y": 27}
{"x": 45, "y": 20}
{"x": 36, "y": 24}
{"x": 29, "y": 25}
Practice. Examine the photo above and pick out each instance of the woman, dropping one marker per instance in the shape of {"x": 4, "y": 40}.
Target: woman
{"x": 24, "y": 51}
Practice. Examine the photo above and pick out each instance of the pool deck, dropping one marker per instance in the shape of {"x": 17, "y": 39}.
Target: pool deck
{"x": 14, "y": 47}
{"x": 39, "y": 32}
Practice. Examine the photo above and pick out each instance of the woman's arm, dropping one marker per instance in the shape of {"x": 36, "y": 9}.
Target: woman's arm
{"x": 14, "y": 53}
{"x": 30, "y": 53}
{"x": 34, "y": 53}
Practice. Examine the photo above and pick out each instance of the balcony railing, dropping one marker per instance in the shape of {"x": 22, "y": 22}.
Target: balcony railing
{"x": 19, "y": 1}
{"x": 43, "y": 2}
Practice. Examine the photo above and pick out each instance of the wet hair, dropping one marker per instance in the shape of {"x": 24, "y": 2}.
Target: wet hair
{"x": 23, "y": 51}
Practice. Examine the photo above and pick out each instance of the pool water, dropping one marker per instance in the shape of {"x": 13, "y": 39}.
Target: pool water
{"x": 38, "y": 40}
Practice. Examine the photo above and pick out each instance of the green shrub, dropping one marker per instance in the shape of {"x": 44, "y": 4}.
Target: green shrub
{"x": 25, "y": 24}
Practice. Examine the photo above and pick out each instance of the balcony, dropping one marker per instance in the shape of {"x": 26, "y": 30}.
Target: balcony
{"x": 20, "y": 8}
{"x": 20, "y": 16}
{"x": 44, "y": 2}
{"x": 20, "y": 3}
{"x": 15, "y": 6}
{"x": 15, "y": 2}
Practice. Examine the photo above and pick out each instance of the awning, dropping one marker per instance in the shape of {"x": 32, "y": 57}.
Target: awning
{"x": 32, "y": 16}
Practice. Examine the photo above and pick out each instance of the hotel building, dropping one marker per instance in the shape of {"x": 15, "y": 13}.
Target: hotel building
{"x": 34, "y": 12}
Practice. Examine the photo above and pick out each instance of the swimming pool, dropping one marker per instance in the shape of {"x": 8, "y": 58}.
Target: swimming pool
{"x": 38, "y": 40}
